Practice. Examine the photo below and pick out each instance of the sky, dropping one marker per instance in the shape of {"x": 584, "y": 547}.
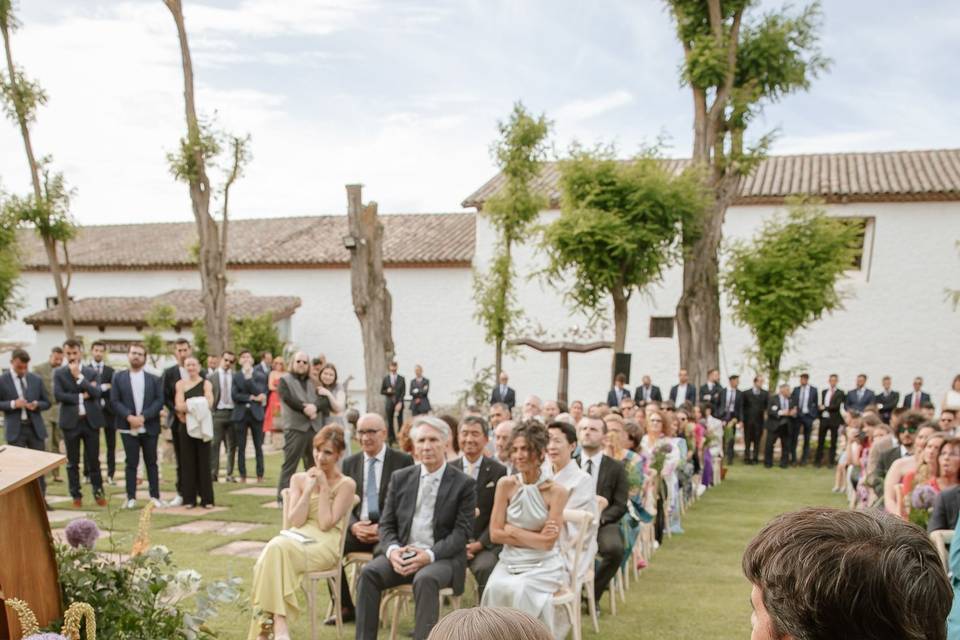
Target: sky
{"x": 404, "y": 96}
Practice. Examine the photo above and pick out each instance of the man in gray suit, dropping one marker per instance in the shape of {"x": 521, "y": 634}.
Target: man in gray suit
{"x": 22, "y": 400}
{"x": 223, "y": 432}
{"x": 299, "y": 416}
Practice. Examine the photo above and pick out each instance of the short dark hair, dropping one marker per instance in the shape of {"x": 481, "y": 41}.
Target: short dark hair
{"x": 98, "y": 343}
{"x": 569, "y": 432}
{"x": 502, "y": 405}
{"x": 21, "y": 355}
{"x": 227, "y": 352}
{"x": 56, "y": 349}
{"x": 244, "y": 351}
{"x": 315, "y": 361}
{"x": 474, "y": 419}
{"x": 534, "y": 433}
{"x": 620, "y": 378}
{"x": 807, "y": 564}
{"x": 72, "y": 343}
{"x": 138, "y": 345}
{"x": 733, "y": 377}
{"x": 926, "y": 405}
{"x": 182, "y": 340}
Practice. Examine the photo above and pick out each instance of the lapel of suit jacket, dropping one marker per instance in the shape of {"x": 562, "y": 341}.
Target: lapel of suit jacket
{"x": 385, "y": 473}
{"x": 410, "y": 503}
{"x": 442, "y": 491}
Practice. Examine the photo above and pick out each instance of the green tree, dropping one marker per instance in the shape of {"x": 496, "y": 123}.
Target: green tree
{"x": 519, "y": 152}
{"x": 256, "y": 335}
{"x": 47, "y": 209}
{"x": 161, "y": 318}
{"x": 9, "y": 267}
{"x": 786, "y": 277}
{"x": 735, "y": 64}
{"x": 619, "y": 228}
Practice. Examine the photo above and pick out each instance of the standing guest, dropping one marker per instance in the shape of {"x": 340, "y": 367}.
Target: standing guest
{"x": 419, "y": 393}
{"x": 918, "y": 397}
{"x": 316, "y": 509}
{"x": 136, "y": 399}
{"x": 779, "y": 417}
{"x": 81, "y": 419}
{"x": 271, "y": 415}
{"x": 526, "y": 520}
{"x": 213, "y": 363}
{"x": 482, "y": 553}
{"x": 566, "y": 472}
{"x": 609, "y": 481}
{"x": 316, "y": 364}
{"x": 105, "y": 372}
{"x": 333, "y": 396}
{"x": 371, "y": 470}
{"x": 731, "y": 413}
{"x": 503, "y": 392}
{"x": 576, "y": 411}
{"x": 23, "y": 399}
{"x": 804, "y": 399}
{"x": 266, "y": 363}
{"x": 224, "y": 433}
{"x": 832, "y": 399}
{"x": 249, "y": 392}
{"x": 191, "y": 392}
{"x": 51, "y": 417}
{"x": 393, "y": 388}
{"x": 300, "y": 418}
{"x": 951, "y": 400}
{"x": 647, "y": 392}
{"x": 711, "y": 391}
{"x": 551, "y": 409}
{"x": 501, "y": 442}
{"x": 859, "y": 398}
{"x": 887, "y": 400}
{"x": 619, "y": 392}
{"x": 172, "y": 375}
{"x": 532, "y": 408}
{"x": 755, "y": 404}
{"x": 901, "y": 587}
{"x": 424, "y": 529}
{"x": 683, "y": 391}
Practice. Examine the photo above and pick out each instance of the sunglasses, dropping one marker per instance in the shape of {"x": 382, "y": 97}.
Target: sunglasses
{"x": 907, "y": 429}
{"x": 302, "y": 361}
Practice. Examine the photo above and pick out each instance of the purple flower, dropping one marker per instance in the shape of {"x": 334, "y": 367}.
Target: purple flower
{"x": 923, "y": 497}
{"x": 665, "y": 448}
{"x": 82, "y": 532}
{"x": 46, "y": 636}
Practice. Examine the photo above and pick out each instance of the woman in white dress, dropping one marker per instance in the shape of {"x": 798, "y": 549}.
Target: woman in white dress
{"x": 526, "y": 519}
{"x": 951, "y": 400}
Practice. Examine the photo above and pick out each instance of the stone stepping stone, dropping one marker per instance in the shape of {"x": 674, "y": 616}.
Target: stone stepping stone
{"x": 241, "y": 548}
{"x": 255, "y": 491}
{"x": 184, "y": 511}
{"x": 57, "y": 499}
{"x": 64, "y": 515}
{"x": 60, "y": 535}
{"x": 273, "y": 504}
{"x": 144, "y": 494}
{"x": 220, "y": 527}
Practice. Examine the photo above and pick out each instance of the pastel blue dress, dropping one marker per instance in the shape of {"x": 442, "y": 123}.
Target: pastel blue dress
{"x": 953, "y": 620}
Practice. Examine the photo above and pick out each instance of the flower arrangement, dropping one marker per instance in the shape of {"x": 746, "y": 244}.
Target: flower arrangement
{"x": 142, "y": 542}
{"x": 660, "y": 456}
{"x": 77, "y": 613}
{"x": 921, "y": 503}
{"x": 82, "y": 532}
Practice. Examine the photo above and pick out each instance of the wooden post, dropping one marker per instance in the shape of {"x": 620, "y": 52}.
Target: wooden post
{"x": 564, "y": 375}
{"x": 371, "y": 299}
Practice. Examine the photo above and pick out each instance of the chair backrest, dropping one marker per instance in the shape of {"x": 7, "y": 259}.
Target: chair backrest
{"x": 941, "y": 538}
{"x": 583, "y": 519}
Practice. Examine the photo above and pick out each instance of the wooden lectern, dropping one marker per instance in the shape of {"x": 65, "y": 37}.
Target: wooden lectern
{"x": 28, "y": 567}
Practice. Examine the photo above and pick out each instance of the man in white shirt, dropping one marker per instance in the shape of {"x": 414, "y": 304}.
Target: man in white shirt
{"x": 565, "y": 471}
{"x": 224, "y": 434}
{"x": 683, "y": 391}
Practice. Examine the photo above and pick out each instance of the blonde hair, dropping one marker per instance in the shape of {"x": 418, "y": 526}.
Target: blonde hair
{"x": 489, "y": 623}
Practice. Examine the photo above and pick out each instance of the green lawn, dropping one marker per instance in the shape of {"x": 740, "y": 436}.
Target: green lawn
{"x": 692, "y": 589}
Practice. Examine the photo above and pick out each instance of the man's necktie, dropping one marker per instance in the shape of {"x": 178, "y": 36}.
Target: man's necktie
{"x": 590, "y": 467}
{"x": 916, "y": 400}
{"x": 23, "y": 390}
{"x": 470, "y": 467}
{"x": 373, "y": 496}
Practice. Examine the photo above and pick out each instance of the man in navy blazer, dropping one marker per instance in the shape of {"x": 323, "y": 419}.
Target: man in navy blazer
{"x": 647, "y": 392}
{"x": 806, "y": 401}
{"x": 916, "y": 399}
{"x": 683, "y": 391}
{"x": 860, "y": 398}
{"x": 22, "y": 399}
{"x": 136, "y": 399}
{"x": 619, "y": 391}
{"x": 81, "y": 418}
{"x": 503, "y": 392}
{"x": 249, "y": 393}
{"x": 731, "y": 411}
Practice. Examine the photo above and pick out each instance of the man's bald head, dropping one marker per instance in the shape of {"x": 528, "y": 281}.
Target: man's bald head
{"x": 501, "y": 440}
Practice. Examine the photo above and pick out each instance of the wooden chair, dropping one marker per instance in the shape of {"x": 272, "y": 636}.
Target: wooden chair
{"x": 569, "y": 597}
{"x": 356, "y": 560}
{"x": 332, "y": 576}
{"x": 404, "y": 593}
{"x": 941, "y": 540}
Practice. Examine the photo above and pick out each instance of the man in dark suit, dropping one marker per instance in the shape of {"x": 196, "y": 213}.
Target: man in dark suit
{"x": 503, "y": 392}
{"x": 136, "y": 399}
{"x": 266, "y": 363}
{"x": 918, "y": 397}
{"x": 610, "y": 482}
{"x": 711, "y": 391}
{"x": 779, "y": 418}
{"x": 482, "y": 554}
{"x": 52, "y": 416}
{"x": 81, "y": 419}
{"x": 249, "y": 393}
{"x": 647, "y": 392}
{"x": 619, "y": 391}
{"x": 98, "y": 351}
{"x": 805, "y": 399}
{"x": 831, "y": 400}
{"x": 393, "y": 388}
{"x": 371, "y": 470}
{"x": 683, "y": 391}
{"x": 860, "y": 398}
{"x": 171, "y": 375}
{"x": 731, "y": 412}
{"x": 887, "y": 400}
{"x": 424, "y": 528}
{"x": 224, "y": 433}
{"x": 23, "y": 401}
{"x": 754, "y": 416}
{"x": 419, "y": 393}
{"x": 945, "y": 510}
{"x": 907, "y": 432}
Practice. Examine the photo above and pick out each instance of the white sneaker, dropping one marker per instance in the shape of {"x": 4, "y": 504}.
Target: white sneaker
{"x": 130, "y": 504}
{"x": 157, "y": 503}
{"x": 701, "y": 489}
{"x": 176, "y": 502}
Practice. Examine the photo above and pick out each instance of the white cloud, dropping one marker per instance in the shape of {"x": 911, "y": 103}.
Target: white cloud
{"x": 590, "y": 108}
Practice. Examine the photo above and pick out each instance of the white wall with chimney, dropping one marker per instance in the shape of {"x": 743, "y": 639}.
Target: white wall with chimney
{"x": 896, "y": 321}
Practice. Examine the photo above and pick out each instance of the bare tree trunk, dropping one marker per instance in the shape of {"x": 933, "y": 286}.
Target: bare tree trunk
{"x": 371, "y": 299}
{"x": 504, "y": 291}
{"x": 620, "y": 301}
{"x": 49, "y": 243}
{"x": 212, "y": 255}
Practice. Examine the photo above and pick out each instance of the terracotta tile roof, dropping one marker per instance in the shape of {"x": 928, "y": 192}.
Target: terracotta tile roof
{"x": 836, "y": 177}
{"x": 409, "y": 240}
{"x": 133, "y": 310}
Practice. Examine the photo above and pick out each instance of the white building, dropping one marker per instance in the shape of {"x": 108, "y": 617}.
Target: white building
{"x": 896, "y": 321}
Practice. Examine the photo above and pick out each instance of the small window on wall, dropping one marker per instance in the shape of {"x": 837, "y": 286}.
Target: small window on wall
{"x": 661, "y": 327}
{"x": 53, "y": 301}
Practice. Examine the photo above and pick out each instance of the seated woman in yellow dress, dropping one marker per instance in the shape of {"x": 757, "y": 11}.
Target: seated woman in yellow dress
{"x": 317, "y": 507}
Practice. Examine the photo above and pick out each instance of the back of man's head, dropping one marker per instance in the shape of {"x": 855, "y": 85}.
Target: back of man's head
{"x": 825, "y": 574}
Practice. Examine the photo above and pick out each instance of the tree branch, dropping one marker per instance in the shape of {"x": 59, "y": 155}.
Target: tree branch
{"x": 716, "y": 19}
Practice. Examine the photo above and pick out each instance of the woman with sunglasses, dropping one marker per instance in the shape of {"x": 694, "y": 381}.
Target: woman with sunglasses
{"x": 912, "y": 435}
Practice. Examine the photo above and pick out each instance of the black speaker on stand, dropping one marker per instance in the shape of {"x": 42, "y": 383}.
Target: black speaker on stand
{"x": 621, "y": 364}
